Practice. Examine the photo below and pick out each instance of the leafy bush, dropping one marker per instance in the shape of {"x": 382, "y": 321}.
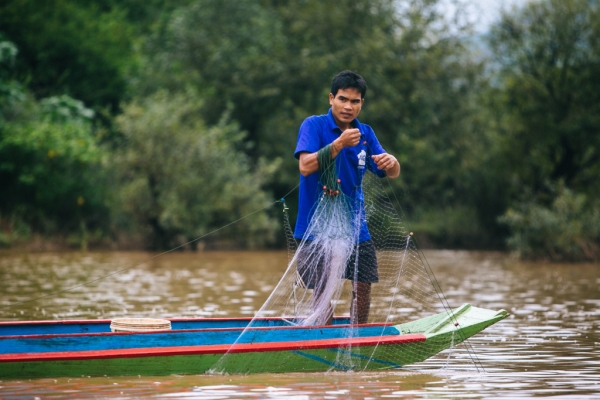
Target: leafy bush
{"x": 50, "y": 170}
{"x": 50, "y": 163}
{"x": 567, "y": 230}
{"x": 180, "y": 179}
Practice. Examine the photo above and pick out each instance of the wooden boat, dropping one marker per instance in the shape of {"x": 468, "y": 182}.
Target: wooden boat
{"x": 37, "y": 349}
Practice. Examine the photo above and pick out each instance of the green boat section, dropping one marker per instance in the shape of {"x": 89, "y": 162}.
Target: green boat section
{"x": 465, "y": 320}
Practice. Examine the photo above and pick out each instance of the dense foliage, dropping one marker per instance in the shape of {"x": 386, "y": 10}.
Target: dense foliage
{"x": 50, "y": 164}
{"x": 548, "y": 136}
{"x": 164, "y": 120}
{"x": 183, "y": 179}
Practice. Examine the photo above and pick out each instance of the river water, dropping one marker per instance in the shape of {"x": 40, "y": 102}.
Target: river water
{"x": 548, "y": 347}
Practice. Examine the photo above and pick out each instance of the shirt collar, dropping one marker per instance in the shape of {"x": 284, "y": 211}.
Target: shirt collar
{"x": 333, "y": 126}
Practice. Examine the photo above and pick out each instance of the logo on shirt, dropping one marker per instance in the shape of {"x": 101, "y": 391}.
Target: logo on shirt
{"x": 362, "y": 159}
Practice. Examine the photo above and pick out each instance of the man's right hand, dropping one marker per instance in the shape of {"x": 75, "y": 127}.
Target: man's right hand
{"x": 348, "y": 138}
{"x": 309, "y": 162}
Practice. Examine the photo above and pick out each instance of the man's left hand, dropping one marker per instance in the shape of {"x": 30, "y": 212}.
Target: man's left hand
{"x": 387, "y": 163}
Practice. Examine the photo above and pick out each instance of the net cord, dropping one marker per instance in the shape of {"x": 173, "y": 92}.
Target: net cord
{"x": 437, "y": 287}
{"x": 328, "y": 179}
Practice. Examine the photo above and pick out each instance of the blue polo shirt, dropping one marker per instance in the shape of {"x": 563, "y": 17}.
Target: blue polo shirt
{"x": 351, "y": 164}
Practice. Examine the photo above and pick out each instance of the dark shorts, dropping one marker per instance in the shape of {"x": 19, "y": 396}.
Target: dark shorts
{"x": 366, "y": 269}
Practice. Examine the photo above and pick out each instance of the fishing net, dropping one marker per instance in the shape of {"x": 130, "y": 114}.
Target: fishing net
{"x": 315, "y": 320}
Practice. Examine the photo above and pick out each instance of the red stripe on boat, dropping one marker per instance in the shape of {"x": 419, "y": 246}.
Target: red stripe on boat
{"x": 212, "y": 349}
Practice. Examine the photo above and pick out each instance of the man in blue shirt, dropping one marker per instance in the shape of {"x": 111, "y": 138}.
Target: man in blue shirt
{"x": 355, "y": 149}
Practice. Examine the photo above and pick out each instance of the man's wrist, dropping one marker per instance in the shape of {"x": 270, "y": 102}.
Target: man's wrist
{"x": 336, "y": 146}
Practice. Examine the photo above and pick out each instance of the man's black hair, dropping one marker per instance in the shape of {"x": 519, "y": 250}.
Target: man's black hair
{"x": 348, "y": 79}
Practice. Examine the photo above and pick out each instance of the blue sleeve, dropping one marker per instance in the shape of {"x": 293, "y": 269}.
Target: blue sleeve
{"x": 374, "y": 149}
{"x": 308, "y": 138}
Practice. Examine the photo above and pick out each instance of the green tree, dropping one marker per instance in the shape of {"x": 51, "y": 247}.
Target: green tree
{"x": 50, "y": 171}
{"x": 273, "y": 61}
{"x": 548, "y": 123}
{"x": 549, "y": 52}
{"x": 50, "y": 161}
{"x": 183, "y": 179}
{"x": 70, "y": 47}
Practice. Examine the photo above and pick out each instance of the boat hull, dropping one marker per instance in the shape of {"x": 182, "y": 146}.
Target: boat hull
{"x": 271, "y": 348}
{"x": 298, "y": 360}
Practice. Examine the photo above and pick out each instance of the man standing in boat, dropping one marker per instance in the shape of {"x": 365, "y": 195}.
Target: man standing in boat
{"x": 355, "y": 148}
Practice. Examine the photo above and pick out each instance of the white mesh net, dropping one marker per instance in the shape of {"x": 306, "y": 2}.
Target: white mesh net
{"x": 319, "y": 312}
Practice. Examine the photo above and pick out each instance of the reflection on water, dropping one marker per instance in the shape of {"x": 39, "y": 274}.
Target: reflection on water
{"x": 175, "y": 285}
{"x": 550, "y": 346}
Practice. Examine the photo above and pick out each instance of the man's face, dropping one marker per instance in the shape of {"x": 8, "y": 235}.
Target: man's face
{"x": 345, "y": 106}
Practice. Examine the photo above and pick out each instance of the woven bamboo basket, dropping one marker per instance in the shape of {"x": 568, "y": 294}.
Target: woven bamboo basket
{"x": 139, "y": 325}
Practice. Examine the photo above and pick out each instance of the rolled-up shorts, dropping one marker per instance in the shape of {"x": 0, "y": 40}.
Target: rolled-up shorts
{"x": 313, "y": 270}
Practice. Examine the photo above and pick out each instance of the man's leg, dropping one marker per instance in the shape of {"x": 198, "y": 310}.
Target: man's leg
{"x": 311, "y": 269}
{"x": 317, "y": 299}
{"x": 361, "y": 303}
{"x": 362, "y": 273}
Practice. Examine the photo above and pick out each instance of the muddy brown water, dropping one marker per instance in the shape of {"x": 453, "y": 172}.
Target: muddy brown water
{"x": 548, "y": 347}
